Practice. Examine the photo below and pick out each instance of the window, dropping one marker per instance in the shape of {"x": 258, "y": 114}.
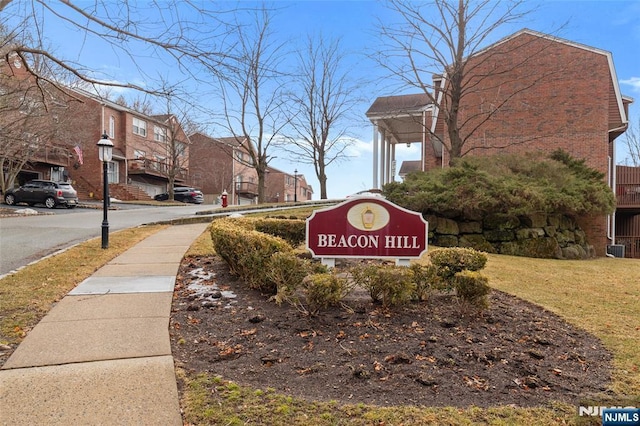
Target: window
{"x": 159, "y": 134}
{"x": 112, "y": 127}
{"x": 161, "y": 163}
{"x": 137, "y": 154}
{"x": 180, "y": 148}
{"x": 112, "y": 172}
{"x": 139, "y": 127}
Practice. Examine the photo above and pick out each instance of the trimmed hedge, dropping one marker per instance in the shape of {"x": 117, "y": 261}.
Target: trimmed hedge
{"x": 269, "y": 263}
{"x": 387, "y": 284}
{"x": 450, "y": 261}
{"x": 292, "y": 231}
{"x": 247, "y": 252}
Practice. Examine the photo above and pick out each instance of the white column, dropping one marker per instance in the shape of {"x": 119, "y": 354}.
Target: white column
{"x": 383, "y": 158}
{"x": 392, "y": 173}
{"x": 375, "y": 155}
{"x": 387, "y": 166}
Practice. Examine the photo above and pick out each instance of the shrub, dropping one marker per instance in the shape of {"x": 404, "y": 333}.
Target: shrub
{"x": 472, "y": 289}
{"x": 287, "y": 271}
{"x": 425, "y": 280}
{"x": 319, "y": 291}
{"x": 292, "y": 231}
{"x": 450, "y": 261}
{"x": 247, "y": 252}
{"x": 388, "y": 284}
{"x": 506, "y": 184}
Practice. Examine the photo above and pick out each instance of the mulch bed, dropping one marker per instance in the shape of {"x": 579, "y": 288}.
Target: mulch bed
{"x": 420, "y": 354}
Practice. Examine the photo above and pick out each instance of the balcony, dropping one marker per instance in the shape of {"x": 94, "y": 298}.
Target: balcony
{"x": 144, "y": 166}
{"x": 628, "y": 188}
{"x": 247, "y": 189}
{"x": 56, "y": 156}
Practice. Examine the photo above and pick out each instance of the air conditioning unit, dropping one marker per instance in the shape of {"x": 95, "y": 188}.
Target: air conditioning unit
{"x": 616, "y": 250}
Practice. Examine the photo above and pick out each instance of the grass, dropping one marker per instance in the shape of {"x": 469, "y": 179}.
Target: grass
{"x": 212, "y": 400}
{"x": 601, "y": 296}
{"x": 27, "y": 295}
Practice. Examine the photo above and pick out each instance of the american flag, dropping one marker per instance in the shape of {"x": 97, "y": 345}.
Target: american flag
{"x": 78, "y": 151}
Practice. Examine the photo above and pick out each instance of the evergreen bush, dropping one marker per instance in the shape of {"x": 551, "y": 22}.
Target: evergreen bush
{"x": 387, "y": 284}
{"x": 506, "y": 184}
{"x": 319, "y": 291}
{"x": 287, "y": 271}
{"x": 247, "y": 252}
{"x": 472, "y": 289}
{"x": 449, "y": 261}
{"x": 425, "y": 280}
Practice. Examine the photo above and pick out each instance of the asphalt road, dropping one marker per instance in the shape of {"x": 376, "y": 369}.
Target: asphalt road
{"x": 24, "y": 239}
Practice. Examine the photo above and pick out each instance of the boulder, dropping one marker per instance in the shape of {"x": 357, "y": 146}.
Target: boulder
{"x": 470, "y": 227}
{"x": 544, "y": 248}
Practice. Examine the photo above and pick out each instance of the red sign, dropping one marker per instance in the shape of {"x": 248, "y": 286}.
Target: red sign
{"x": 367, "y": 228}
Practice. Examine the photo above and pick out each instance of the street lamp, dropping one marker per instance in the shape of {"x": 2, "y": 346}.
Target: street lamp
{"x": 295, "y": 186}
{"x": 105, "y": 151}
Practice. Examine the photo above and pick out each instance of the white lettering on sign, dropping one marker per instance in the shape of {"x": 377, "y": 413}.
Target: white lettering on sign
{"x": 368, "y": 241}
{"x": 351, "y": 241}
{"x": 401, "y": 242}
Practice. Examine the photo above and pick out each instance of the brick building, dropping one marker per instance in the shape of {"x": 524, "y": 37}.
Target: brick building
{"x": 223, "y": 164}
{"x": 529, "y": 92}
{"x": 147, "y": 149}
{"x": 282, "y": 187}
{"x": 36, "y": 138}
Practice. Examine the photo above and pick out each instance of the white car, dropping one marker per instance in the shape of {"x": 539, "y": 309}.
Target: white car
{"x": 367, "y": 193}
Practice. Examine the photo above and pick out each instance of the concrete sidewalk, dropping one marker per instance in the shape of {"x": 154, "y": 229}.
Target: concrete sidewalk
{"x": 102, "y": 355}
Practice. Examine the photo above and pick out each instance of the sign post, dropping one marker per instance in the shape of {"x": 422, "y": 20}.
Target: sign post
{"x": 366, "y": 228}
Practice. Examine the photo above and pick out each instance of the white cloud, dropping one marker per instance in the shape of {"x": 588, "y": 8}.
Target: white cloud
{"x": 358, "y": 147}
{"x": 634, "y": 82}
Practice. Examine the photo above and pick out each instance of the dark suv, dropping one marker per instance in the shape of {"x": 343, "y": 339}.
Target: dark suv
{"x": 46, "y": 192}
{"x": 184, "y": 195}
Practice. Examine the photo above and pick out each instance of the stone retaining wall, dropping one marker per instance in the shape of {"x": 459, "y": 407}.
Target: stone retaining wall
{"x": 537, "y": 235}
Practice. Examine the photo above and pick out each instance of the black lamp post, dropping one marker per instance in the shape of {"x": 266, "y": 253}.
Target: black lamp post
{"x": 295, "y": 186}
{"x": 105, "y": 152}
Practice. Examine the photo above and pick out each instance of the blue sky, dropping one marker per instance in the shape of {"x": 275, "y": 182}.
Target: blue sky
{"x": 613, "y": 26}
{"x": 608, "y": 25}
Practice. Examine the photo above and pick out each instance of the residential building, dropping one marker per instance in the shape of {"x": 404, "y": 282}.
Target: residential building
{"x": 33, "y": 124}
{"x": 282, "y": 187}
{"x": 627, "y": 218}
{"x": 531, "y": 93}
{"x": 147, "y": 150}
{"x": 223, "y": 164}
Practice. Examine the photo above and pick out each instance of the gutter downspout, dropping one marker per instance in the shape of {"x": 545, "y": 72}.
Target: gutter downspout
{"x": 611, "y": 226}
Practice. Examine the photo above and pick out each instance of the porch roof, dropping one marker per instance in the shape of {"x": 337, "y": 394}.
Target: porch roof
{"x": 401, "y": 116}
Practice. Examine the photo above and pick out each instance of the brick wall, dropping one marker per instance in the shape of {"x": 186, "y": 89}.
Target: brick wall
{"x": 538, "y": 95}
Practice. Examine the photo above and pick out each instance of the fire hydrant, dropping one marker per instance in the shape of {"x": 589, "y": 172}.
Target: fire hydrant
{"x": 224, "y": 198}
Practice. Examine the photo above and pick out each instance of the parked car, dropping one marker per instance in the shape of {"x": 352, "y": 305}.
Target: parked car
{"x": 49, "y": 193}
{"x": 183, "y": 194}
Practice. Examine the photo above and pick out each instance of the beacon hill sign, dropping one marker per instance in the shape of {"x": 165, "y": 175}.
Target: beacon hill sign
{"x": 366, "y": 227}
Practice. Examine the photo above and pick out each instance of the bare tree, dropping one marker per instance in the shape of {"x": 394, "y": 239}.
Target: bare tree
{"x": 320, "y": 106}
{"x": 174, "y": 142}
{"x": 188, "y": 36}
{"x": 251, "y": 94}
{"x": 33, "y": 119}
{"x": 435, "y": 48}
{"x": 632, "y": 142}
